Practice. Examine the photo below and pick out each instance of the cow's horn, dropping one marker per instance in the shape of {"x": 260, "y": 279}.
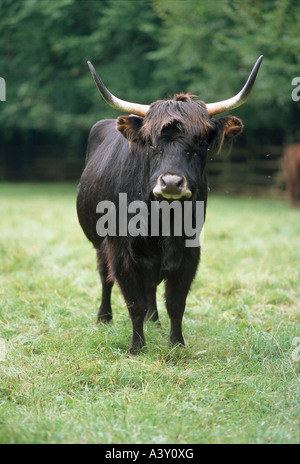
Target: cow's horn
{"x": 238, "y": 99}
{"x": 115, "y": 102}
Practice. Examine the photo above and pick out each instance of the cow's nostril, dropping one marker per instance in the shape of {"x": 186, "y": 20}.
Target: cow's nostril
{"x": 171, "y": 186}
{"x": 172, "y": 181}
{"x": 180, "y": 182}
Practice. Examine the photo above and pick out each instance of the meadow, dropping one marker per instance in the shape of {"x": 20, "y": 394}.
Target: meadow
{"x": 64, "y": 379}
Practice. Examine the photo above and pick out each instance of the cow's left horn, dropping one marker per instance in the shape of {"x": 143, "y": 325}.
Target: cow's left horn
{"x": 238, "y": 99}
{"x": 115, "y": 102}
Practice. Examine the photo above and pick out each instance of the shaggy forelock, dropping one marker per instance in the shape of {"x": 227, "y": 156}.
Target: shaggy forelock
{"x": 189, "y": 116}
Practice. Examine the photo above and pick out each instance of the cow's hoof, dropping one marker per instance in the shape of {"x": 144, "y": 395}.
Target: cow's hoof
{"x": 136, "y": 350}
{"x": 104, "y": 318}
{"x": 173, "y": 342}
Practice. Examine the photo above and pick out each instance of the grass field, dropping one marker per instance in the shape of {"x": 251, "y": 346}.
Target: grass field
{"x": 63, "y": 379}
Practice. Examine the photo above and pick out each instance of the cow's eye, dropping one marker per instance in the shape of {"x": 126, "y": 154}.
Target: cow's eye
{"x": 151, "y": 147}
{"x": 203, "y": 143}
{"x": 154, "y": 150}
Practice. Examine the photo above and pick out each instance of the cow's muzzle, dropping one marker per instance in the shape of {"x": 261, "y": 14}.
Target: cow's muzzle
{"x": 172, "y": 187}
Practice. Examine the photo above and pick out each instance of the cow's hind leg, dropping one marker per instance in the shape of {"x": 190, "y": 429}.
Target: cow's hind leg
{"x": 152, "y": 313}
{"x": 295, "y": 194}
{"x": 105, "y": 312}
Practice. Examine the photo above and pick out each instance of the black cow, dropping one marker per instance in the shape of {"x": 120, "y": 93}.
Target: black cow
{"x": 156, "y": 153}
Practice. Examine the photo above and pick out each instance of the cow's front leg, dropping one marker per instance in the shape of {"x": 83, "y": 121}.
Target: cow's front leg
{"x": 175, "y": 302}
{"x": 136, "y": 302}
{"x": 177, "y": 288}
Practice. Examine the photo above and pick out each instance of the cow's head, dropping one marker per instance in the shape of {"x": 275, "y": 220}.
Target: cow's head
{"x": 176, "y": 134}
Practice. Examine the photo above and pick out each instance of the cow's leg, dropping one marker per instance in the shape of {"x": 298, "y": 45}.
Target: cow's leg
{"x": 295, "y": 191}
{"x": 175, "y": 302}
{"x": 151, "y": 314}
{"x": 177, "y": 288}
{"x": 105, "y": 312}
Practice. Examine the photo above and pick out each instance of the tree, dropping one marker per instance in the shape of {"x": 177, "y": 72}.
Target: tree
{"x": 44, "y": 48}
{"x": 210, "y": 47}
{"x": 144, "y": 50}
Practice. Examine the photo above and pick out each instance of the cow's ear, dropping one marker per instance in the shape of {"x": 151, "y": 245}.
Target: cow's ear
{"x": 129, "y": 126}
{"x": 232, "y": 127}
{"x": 226, "y": 128}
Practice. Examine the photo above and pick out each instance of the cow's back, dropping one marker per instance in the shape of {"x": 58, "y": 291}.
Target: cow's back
{"x": 100, "y": 131}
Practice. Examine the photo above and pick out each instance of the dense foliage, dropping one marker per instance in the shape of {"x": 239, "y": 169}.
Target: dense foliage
{"x": 144, "y": 50}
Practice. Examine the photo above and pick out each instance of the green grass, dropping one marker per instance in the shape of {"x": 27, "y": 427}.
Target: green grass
{"x": 64, "y": 379}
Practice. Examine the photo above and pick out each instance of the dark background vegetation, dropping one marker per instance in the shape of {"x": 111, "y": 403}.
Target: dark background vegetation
{"x": 144, "y": 50}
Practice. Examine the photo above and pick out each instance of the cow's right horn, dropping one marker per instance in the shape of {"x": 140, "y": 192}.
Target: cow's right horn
{"x": 239, "y": 98}
{"x": 115, "y": 102}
